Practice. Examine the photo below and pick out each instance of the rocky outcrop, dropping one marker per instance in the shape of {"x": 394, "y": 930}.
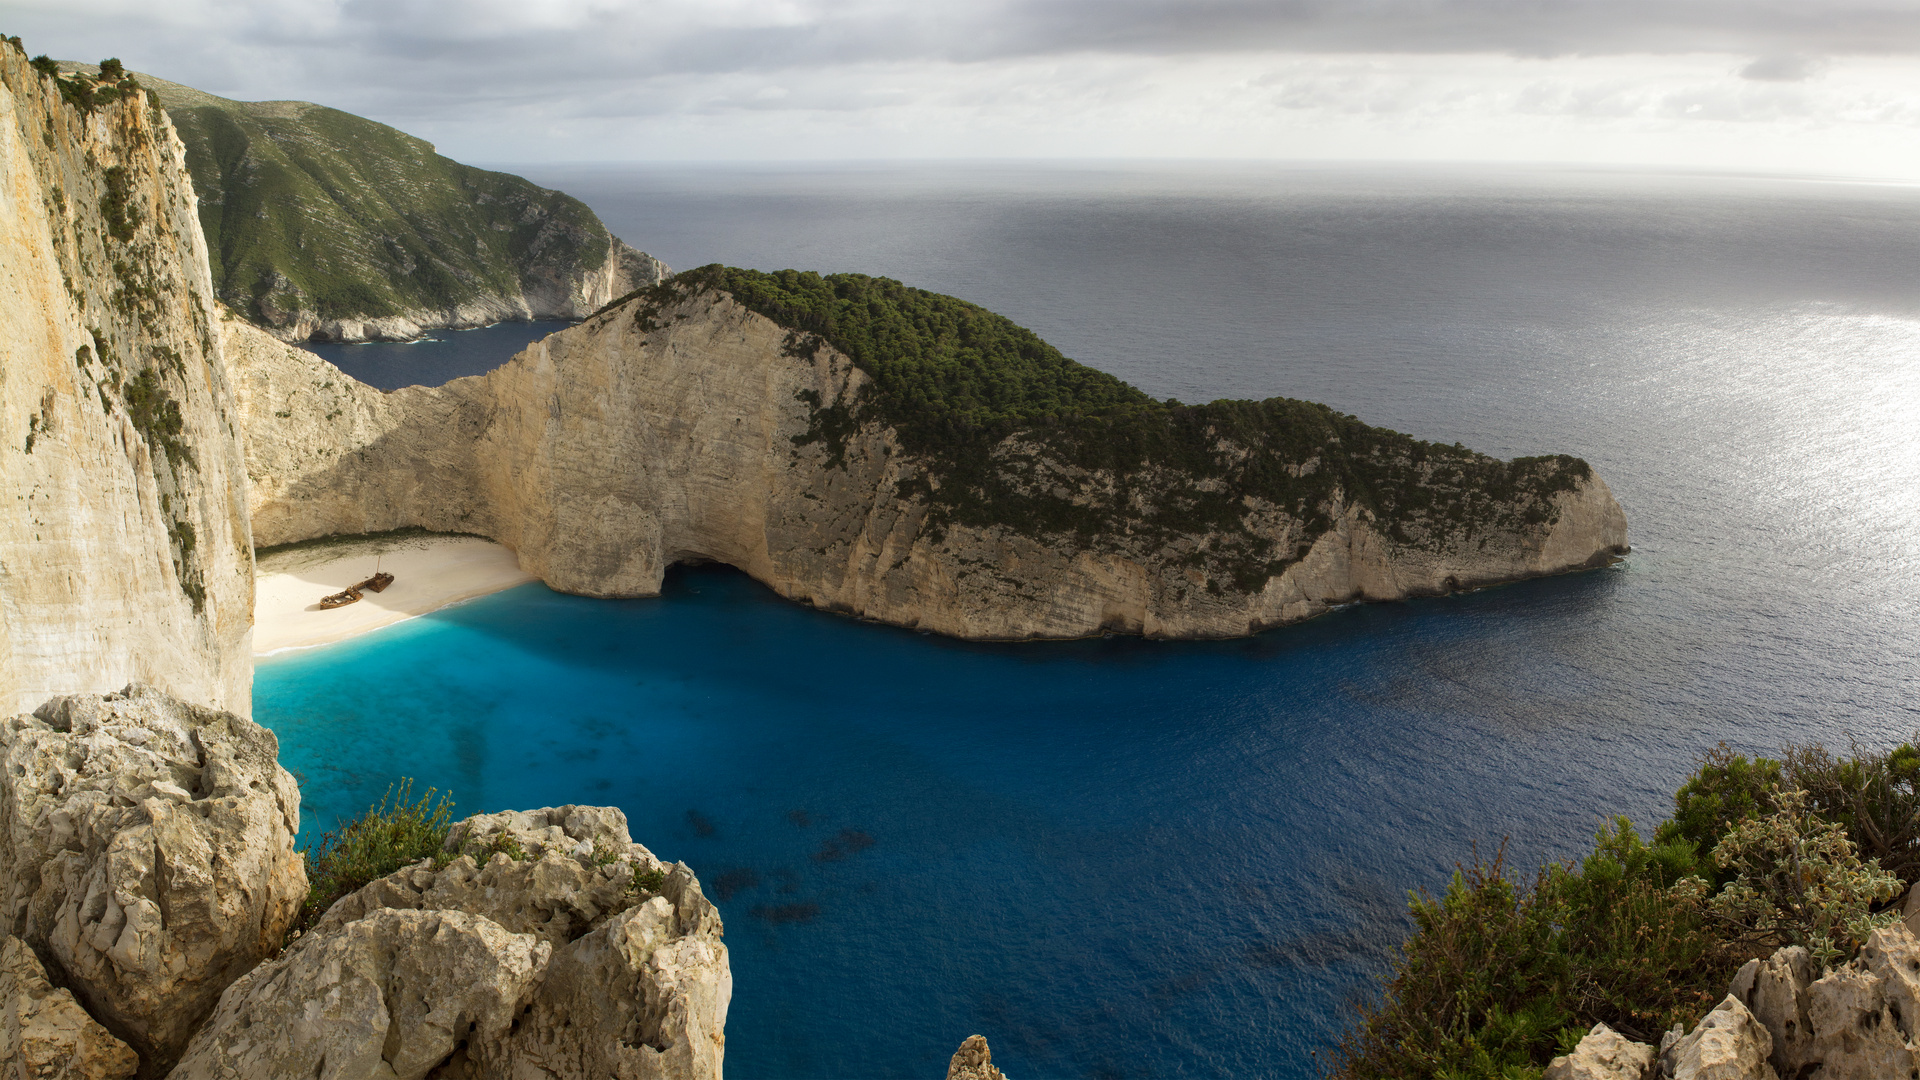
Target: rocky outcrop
{"x": 1855, "y": 1022}
{"x": 146, "y": 854}
{"x": 973, "y": 1061}
{"x": 652, "y": 435}
{"x": 392, "y": 994}
{"x": 548, "y": 945}
{"x": 44, "y": 1033}
{"x": 1603, "y": 1054}
{"x": 1729, "y": 1043}
{"x": 124, "y": 549}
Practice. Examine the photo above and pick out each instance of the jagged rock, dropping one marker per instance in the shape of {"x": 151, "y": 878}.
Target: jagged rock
{"x": 571, "y": 868}
{"x": 146, "y": 853}
{"x": 1603, "y": 1054}
{"x": 391, "y": 995}
{"x": 45, "y": 1034}
{"x": 632, "y": 982}
{"x": 1863, "y": 1014}
{"x": 973, "y": 1061}
{"x": 1728, "y": 1044}
{"x": 1775, "y": 991}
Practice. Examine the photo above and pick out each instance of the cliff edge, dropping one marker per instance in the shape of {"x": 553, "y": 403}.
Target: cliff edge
{"x": 682, "y": 424}
{"x": 124, "y": 550}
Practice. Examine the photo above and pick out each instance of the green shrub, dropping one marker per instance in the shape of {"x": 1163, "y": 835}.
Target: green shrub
{"x": 1875, "y": 797}
{"x": 1725, "y": 790}
{"x": 1798, "y": 880}
{"x": 1498, "y": 977}
{"x": 648, "y": 880}
{"x": 397, "y": 831}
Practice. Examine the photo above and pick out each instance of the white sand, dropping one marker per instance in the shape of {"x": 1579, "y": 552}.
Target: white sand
{"x": 429, "y": 573}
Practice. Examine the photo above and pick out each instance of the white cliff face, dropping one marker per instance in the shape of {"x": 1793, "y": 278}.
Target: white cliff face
{"x": 644, "y": 437}
{"x": 124, "y": 549}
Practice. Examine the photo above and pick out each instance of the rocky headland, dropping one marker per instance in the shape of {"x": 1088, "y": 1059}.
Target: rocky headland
{"x": 322, "y": 225}
{"x": 682, "y": 424}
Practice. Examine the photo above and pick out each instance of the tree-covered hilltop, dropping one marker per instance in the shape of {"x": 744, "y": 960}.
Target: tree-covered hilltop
{"x": 312, "y": 210}
{"x": 1017, "y": 434}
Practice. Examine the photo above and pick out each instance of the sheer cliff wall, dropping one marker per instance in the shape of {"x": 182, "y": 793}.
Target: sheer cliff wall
{"x": 125, "y": 553}
{"x": 652, "y": 435}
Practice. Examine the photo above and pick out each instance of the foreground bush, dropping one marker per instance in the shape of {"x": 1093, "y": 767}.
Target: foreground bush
{"x": 1798, "y": 880}
{"x": 397, "y": 831}
{"x": 1499, "y": 976}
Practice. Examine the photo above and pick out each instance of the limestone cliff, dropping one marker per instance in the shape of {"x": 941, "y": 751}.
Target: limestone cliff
{"x": 124, "y": 549}
{"x": 682, "y": 426}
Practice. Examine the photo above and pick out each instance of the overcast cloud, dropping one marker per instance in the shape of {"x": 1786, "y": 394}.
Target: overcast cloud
{"x": 1807, "y": 85}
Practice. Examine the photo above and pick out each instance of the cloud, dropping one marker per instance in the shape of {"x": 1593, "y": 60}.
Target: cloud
{"x": 1786, "y": 67}
{"x": 583, "y": 79}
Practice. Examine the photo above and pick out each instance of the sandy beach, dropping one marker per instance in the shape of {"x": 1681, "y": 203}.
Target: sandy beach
{"x": 429, "y": 573}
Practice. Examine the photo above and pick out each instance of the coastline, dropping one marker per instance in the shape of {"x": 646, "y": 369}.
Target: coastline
{"x": 430, "y": 572}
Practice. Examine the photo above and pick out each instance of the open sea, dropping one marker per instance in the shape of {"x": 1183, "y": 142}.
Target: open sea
{"x": 1118, "y": 858}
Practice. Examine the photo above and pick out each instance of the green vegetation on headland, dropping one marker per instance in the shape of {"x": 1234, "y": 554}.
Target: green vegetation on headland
{"x": 1095, "y": 457}
{"x": 1499, "y": 975}
{"x": 310, "y": 210}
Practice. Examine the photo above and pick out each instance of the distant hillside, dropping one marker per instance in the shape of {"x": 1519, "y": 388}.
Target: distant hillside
{"x": 322, "y": 224}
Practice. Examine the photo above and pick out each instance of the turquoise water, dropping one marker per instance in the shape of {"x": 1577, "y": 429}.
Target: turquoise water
{"x": 1118, "y": 858}
{"x": 1112, "y": 857}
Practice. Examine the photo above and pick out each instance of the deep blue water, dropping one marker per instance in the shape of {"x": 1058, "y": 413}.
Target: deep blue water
{"x": 1123, "y": 858}
{"x": 441, "y": 356}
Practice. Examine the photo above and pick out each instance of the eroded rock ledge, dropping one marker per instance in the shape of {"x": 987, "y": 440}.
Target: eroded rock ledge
{"x": 687, "y": 427}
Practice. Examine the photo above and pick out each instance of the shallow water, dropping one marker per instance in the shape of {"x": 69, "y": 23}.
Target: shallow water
{"x": 1121, "y": 858}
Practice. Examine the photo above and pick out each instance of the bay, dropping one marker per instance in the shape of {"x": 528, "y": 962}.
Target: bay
{"x": 1124, "y": 858}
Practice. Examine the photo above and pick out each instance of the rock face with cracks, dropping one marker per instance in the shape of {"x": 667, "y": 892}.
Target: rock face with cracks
{"x": 146, "y": 854}
{"x": 124, "y": 549}
{"x": 44, "y": 1033}
{"x": 546, "y": 945}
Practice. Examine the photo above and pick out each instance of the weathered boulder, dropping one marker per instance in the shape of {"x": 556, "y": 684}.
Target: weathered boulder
{"x": 1728, "y": 1044}
{"x": 1603, "y": 1054}
{"x": 391, "y": 995}
{"x": 45, "y": 1034}
{"x": 1775, "y": 991}
{"x": 146, "y": 854}
{"x": 630, "y": 978}
{"x": 1863, "y": 1015}
{"x": 973, "y": 1061}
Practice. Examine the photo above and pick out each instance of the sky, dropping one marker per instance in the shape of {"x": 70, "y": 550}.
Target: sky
{"x": 1827, "y": 87}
